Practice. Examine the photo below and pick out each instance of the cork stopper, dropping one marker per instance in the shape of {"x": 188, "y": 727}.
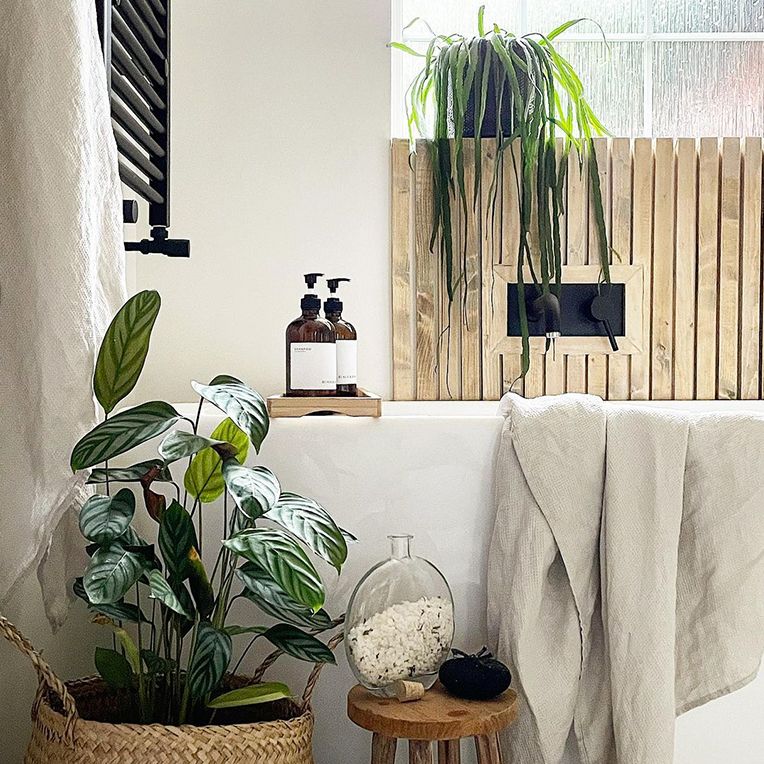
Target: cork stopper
{"x": 408, "y": 691}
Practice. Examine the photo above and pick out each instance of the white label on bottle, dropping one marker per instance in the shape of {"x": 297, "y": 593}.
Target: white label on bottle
{"x": 313, "y": 365}
{"x": 347, "y": 362}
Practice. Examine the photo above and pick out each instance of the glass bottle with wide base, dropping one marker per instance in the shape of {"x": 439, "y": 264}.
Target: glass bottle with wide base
{"x": 400, "y": 621}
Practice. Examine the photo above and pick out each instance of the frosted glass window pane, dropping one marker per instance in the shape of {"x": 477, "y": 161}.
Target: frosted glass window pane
{"x": 708, "y": 15}
{"x": 613, "y": 82}
{"x": 612, "y": 15}
{"x": 708, "y": 88}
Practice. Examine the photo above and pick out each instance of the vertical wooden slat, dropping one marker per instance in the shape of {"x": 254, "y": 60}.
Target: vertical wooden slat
{"x": 684, "y": 269}
{"x": 620, "y": 241}
{"x": 597, "y": 365}
{"x": 471, "y": 330}
{"x": 729, "y": 269}
{"x": 641, "y": 254}
{"x": 490, "y": 225}
{"x": 402, "y": 294}
{"x": 554, "y": 363}
{"x": 577, "y": 240}
{"x": 708, "y": 243}
{"x": 751, "y": 273}
{"x": 427, "y": 273}
{"x": 662, "y": 335}
{"x": 510, "y": 368}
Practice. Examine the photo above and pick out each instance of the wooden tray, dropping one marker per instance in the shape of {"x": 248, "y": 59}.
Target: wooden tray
{"x": 364, "y": 404}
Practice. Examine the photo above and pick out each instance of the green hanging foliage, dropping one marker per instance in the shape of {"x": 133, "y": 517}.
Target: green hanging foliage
{"x": 536, "y": 95}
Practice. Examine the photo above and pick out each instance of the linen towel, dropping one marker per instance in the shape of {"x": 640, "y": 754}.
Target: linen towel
{"x": 61, "y": 276}
{"x": 626, "y": 572}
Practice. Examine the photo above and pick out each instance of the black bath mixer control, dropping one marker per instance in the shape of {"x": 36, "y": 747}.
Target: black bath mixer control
{"x": 601, "y": 310}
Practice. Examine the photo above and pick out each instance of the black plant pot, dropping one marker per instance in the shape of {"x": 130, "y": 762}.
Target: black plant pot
{"x": 489, "y": 128}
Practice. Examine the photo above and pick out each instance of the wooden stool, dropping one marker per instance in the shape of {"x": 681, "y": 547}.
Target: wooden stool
{"x": 439, "y": 717}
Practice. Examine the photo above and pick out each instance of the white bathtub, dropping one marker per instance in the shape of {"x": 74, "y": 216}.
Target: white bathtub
{"x": 425, "y": 469}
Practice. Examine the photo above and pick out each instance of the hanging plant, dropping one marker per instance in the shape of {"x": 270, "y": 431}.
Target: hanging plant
{"x": 516, "y": 89}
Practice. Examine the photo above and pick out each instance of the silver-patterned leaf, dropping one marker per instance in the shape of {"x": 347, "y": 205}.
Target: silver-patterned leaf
{"x": 105, "y": 518}
{"x": 283, "y": 560}
{"x": 255, "y": 490}
{"x": 264, "y": 592}
{"x": 212, "y": 652}
{"x": 242, "y": 404}
{"x": 179, "y": 445}
{"x": 298, "y": 644}
{"x": 122, "y": 432}
{"x": 311, "y": 523}
{"x": 111, "y": 573}
{"x": 161, "y": 590}
{"x": 132, "y": 474}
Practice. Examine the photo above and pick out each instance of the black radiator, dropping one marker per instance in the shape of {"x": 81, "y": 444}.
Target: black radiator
{"x": 135, "y": 35}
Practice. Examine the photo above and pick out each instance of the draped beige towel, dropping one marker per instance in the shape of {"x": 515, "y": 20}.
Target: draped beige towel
{"x": 61, "y": 278}
{"x": 626, "y": 572}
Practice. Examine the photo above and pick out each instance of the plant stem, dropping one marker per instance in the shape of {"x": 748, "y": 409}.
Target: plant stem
{"x": 187, "y": 685}
{"x": 246, "y": 650}
{"x": 143, "y": 700}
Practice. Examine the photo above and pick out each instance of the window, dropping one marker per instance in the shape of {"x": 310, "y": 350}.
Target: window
{"x": 674, "y": 68}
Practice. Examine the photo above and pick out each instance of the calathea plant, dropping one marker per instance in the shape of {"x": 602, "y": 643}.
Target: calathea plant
{"x": 521, "y": 91}
{"x": 169, "y": 612}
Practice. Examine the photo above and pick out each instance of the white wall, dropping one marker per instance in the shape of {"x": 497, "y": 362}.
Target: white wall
{"x": 280, "y": 166}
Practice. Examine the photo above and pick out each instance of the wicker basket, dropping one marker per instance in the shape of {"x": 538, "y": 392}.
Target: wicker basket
{"x": 61, "y": 735}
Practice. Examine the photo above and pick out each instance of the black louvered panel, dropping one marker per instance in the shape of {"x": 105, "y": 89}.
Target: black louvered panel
{"x": 136, "y": 42}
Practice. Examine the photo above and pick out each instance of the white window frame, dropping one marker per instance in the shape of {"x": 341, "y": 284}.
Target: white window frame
{"x": 647, "y": 37}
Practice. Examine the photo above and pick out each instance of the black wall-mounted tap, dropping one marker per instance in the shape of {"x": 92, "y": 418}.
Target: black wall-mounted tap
{"x": 546, "y": 308}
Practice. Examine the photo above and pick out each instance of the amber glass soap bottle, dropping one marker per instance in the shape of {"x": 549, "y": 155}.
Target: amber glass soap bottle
{"x": 347, "y": 341}
{"x": 311, "y": 356}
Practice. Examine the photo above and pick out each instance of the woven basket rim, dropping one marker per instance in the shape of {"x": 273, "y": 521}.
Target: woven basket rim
{"x": 303, "y": 714}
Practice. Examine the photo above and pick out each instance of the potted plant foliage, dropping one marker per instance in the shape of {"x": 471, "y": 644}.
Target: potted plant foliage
{"x": 521, "y": 91}
{"x": 168, "y": 688}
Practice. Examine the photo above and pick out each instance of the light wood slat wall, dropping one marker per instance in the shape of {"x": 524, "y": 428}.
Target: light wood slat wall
{"x": 687, "y": 211}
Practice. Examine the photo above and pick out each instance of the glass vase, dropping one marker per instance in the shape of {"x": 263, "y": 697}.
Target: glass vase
{"x": 400, "y": 621}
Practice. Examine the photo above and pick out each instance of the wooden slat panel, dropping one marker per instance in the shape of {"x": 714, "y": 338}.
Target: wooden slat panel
{"x": 400, "y": 230}
{"x": 597, "y": 365}
{"x": 751, "y": 273}
{"x": 729, "y": 269}
{"x": 510, "y": 231}
{"x": 708, "y": 243}
{"x": 471, "y": 327}
{"x": 620, "y": 241}
{"x": 490, "y": 224}
{"x": 684, "y": 276}
{"x": 427, "y": 274}
{"x": 662, "y": 336}
{"x": 510, "y": 370}
{"x": 642, "y": 218}
{"x": 577, "y": 238}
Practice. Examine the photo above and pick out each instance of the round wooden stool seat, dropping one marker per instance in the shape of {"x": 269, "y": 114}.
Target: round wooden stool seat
{"x": 438, "y": 716}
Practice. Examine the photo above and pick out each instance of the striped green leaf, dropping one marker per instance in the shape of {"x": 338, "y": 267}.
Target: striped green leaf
{"x": 235, "y": 631}
{"x": 264, "y": 592}
{"x": 177, "y": 538}
{"x": 254, "y": 693}
{"x": 242, "y": 404}
{"x": 298, "y": 644}
{"x": 284, "y": 561}
{"x": 122, "y": 432}
{"x": 132, "y": 474}
{"x": 105, "y": 518}
{"x": 204, "y": 476}
{"x": 179, "y": 445}
{"x": 311, "y": 523}
{"x": 255, "y": 491}
{"x": 119, "y": 611}
{"x": 111, "y": 573}
{"x": 124, "y": 349}
{"x": 212, "y": 652}
{"x": 161, "y": 590}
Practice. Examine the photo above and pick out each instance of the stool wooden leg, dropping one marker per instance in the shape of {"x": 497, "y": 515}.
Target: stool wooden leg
{"x": 488, "y": 750}
{"x": 449, "y": 752}
{"x": 382, "y": 749}
{"x": 420, "y": 752}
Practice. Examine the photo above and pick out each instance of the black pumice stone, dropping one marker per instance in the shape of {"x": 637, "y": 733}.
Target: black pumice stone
{"x": 475, "y": 677}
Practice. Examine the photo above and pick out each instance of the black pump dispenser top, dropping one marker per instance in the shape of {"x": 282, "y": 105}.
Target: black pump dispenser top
{"x": 333, "y": 304}
{"x": 311, "y": 301}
